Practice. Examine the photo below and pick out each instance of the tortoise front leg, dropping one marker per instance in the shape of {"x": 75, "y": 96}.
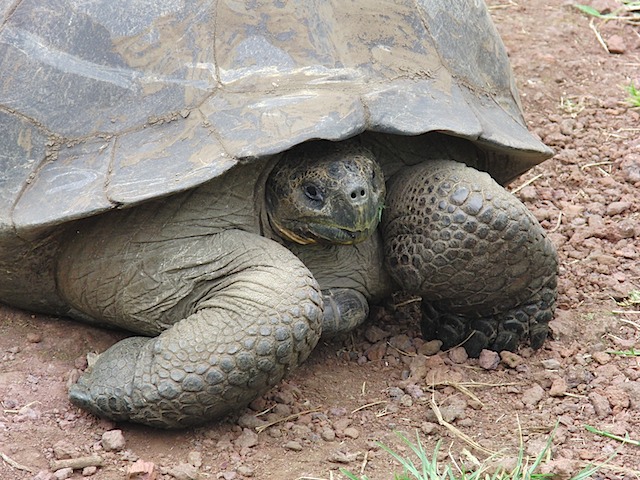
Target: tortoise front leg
{"x": 240, "y": 311}
{"x": 482, "y": 263}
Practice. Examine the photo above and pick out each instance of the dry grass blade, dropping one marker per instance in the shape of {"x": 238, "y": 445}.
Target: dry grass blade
{"x": 525, "y": 184}
{"x": 409, "y": 301}
{"x": 463, "y": 387}
{"x": 368, "y": 405}
{"x": 558, "y": 223}
{"x": 365, "y": 460}
{"x": 402, "y": 352}
{"x": 16, "y": 411}
{"x": 594, "y": 164}
{"x": 293, "y": 416}
{"x": 629, "y": 322}
{"x": 598, "y": 36}
{"x": 462, "y": 436}
{"x": 502, "y": 6}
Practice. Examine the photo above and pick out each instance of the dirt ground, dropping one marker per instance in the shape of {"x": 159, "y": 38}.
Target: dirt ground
{"x": 359, "y": 390}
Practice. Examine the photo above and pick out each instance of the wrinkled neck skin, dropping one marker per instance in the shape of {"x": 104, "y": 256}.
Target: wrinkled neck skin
{"x": 266, "y": 229}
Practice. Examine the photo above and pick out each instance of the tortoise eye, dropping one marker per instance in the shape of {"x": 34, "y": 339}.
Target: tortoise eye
{"x": 312, "y": 193}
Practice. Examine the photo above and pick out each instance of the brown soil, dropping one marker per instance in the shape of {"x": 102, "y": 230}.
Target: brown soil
{"x": 362, "y": 389}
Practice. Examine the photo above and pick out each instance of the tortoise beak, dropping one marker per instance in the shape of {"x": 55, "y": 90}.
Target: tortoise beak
{"x": 360, "y": 225}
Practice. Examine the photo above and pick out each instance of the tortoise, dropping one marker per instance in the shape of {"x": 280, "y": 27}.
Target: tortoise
{"x": 230, "y": 181}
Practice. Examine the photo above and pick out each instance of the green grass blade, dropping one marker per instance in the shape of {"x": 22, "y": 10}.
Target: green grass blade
{"x": 604, "y": 433}
{"x": 589, "y": 10}
{"x": 634, "y": 100}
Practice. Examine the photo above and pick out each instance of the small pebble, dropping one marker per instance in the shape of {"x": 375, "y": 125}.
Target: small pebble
{"x": 195, "y": 459}
{"x": 558, "y": 387}
{"x": 293, "y": 445}
{"x": 63, "y": 450}
{"x": 184, "y": 471}
{"x": 90, "y": 470}
{"x": 351, "y": 432}
{"x": 375, "y": 334}
{"x": 600, "y": 404}
{"x": 616, "y": 44}
{"x": 430, "y": 348}
{"x": 141, "y": 469}
{"x": 113, "y": 440}
{"x": 458, "y": 355}
{"x": 533, "y": 395}
{"x": 560, "y": 468}
{"x": 328, "y": 434}
{"x": 342, "y": 457}
{"x": 247, "y": 439}
{"x": 551, "y": 364}
{"x": 63, "y": 473}
{"x": 510, "y": 359}
{"x": 428, "y": 427}
{"x": 402, "y": 342}
{"x": 245, "y": 471}
{"x": 489, "y": 360}
{"x": 406, "y": 400}
{"x": 34, "y": 337}
{"x": 601, "y": 357}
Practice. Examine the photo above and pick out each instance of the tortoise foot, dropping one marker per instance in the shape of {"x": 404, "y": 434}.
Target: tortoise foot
{"x": 524, "y": 324}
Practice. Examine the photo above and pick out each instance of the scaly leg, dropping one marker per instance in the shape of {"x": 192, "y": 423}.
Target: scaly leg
{"x": 481, "y": 262}
{"x": 233, "y": 313}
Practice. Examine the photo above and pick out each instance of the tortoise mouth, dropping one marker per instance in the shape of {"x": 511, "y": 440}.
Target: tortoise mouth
{"x": 313, "y": 232}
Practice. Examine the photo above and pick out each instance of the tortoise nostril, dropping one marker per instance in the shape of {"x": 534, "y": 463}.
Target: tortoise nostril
{"x": 358, "y": 194}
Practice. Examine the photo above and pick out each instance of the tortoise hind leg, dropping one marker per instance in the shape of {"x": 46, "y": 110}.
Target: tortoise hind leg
{"x": 481, "y": 262}
{"x": 237, "y": 312}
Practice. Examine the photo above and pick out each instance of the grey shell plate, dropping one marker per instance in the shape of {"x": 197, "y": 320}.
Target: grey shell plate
{"x": 112, "y": 102}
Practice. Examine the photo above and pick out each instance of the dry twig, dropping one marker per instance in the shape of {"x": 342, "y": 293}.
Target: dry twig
{"x": 528, "y": 182}
{"x": 463, "y": 436}
{"x": 367, "y": 405}
{"x": 13, "y": 464}
{"x": 77, "y": 463}
{"x": 598, "y": 36}
{"x": 293, "y": 416}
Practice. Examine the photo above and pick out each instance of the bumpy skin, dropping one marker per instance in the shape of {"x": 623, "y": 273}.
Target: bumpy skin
{"x": 480, "y": 260}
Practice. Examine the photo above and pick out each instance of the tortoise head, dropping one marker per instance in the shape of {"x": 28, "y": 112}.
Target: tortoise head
{"x": 325, "y": 192}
